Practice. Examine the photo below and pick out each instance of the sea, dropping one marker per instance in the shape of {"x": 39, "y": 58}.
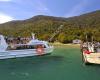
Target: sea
{"x": 65, "y": 63}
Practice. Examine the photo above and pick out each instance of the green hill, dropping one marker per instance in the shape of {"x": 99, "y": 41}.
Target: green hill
{"x": 44, "y": 26}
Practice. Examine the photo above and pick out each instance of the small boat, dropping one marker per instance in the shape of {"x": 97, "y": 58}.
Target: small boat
{"x": 34, "y": 47}
{"x": 90, "y": 53}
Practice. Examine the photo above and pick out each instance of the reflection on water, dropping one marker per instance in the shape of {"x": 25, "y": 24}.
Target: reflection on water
{"x": 30, "y": 62}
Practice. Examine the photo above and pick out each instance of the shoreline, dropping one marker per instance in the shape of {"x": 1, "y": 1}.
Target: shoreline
{"x": 66, "y": 45}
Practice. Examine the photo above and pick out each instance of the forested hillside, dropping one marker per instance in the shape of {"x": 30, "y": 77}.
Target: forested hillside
{"x": 44, "y": 26}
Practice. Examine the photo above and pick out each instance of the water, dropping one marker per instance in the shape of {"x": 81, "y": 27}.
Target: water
{"x": 63, "y": 64}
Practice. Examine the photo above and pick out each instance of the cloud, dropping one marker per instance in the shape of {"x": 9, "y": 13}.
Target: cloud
{"x": 43, "y": 9}
{"x": 23, "y": 9}
{"x": 41, "y": 6}
{"x": 5, "y": 18}
{"x": 77, "y": 9}
{"x": 5, "y": 0}
{"x": 33, "y": 5}
{"x": 30, "y": 8}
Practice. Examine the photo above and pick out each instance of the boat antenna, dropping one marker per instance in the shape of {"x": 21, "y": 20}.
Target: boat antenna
{"x": 92, "y": 39}
{"x": 55, "y": 33}
{"x": 33, "y": 36}
{"x": 87, "y": 39}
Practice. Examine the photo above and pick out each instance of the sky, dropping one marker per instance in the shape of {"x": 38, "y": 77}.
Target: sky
{"x": 25, "y": 9}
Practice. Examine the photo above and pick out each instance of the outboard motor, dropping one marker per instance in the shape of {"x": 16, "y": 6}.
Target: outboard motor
{"x": 3, "y": 44}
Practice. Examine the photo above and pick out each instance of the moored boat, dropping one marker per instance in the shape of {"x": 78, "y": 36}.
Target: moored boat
{"x": 91, "y": 52}
{"x": 34, "y": 47}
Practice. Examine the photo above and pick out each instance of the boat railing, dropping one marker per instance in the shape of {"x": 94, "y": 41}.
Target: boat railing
{"x": 93, "y": 47}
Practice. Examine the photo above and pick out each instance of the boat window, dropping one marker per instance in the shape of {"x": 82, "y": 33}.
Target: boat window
{"x": 40, "y": 46}
{"x": 49, "y": 44}
{"x": 31, "y": 47}
{"x": 11, "y": 48}
{"x": 20, "y": 47}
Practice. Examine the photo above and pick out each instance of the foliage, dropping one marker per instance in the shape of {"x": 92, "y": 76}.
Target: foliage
{"x": 44, "y": 27}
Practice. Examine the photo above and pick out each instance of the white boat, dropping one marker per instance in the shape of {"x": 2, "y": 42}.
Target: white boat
{"x": 91, "y": 53}
{"x": 33, "y": 48}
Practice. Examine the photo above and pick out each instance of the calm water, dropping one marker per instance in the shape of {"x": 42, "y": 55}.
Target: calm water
{"x": 63, "y": 64}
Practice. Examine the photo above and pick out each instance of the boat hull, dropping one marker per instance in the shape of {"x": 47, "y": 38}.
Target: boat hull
{"x": 23, "y": 53}
{"x": 92, "y": 58}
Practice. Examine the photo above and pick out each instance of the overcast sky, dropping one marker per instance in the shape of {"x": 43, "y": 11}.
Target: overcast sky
{"x": 24, "y": 9}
